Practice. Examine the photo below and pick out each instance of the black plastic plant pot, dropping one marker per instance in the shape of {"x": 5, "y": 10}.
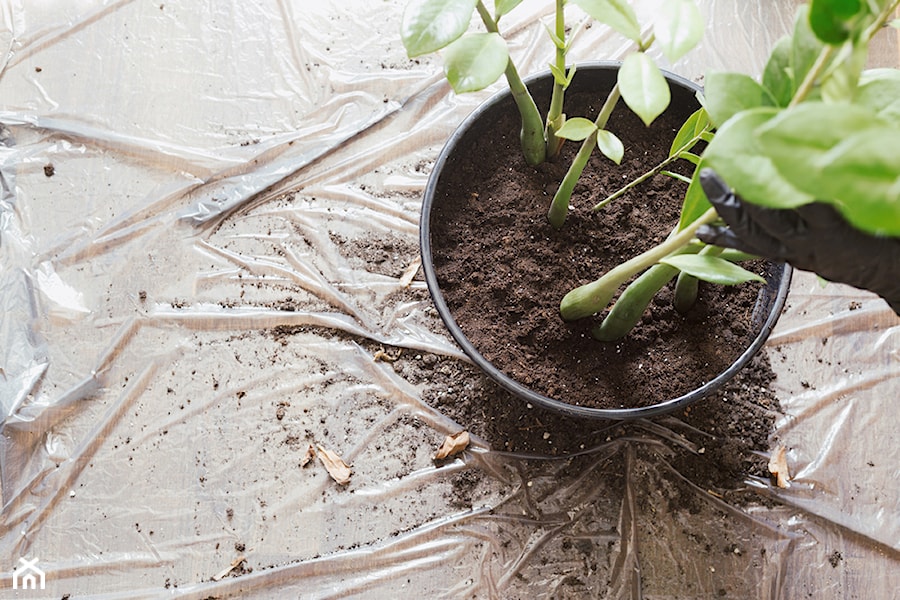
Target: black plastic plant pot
{"x": 769, "y": 303}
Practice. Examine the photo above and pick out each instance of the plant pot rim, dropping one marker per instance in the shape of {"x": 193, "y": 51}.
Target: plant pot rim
{"x": 521, "y": 390}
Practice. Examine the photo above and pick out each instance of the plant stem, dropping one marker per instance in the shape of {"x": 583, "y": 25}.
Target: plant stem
{"x": 812, "y": 76}
{"x": 531, "y": 135}
{"x": 555, "y": 117}
{"x": 559, "y": 208}
{"x": 593, "y": 297}
{"x": 621, "y": 191}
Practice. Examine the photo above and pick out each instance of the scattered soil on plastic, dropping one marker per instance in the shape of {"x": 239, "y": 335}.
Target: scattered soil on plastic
{"x": 721, "y": 440}
{"x": 503, "y": 269}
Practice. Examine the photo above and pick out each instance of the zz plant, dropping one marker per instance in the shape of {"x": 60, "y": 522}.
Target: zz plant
{"x": 816, "y": 127}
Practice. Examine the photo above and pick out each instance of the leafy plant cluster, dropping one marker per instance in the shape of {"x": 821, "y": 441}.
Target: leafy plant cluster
{"x": 817, "y": 127}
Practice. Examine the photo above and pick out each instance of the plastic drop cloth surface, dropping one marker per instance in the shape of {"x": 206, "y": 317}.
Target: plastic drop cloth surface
{"x": 207, "y": 213}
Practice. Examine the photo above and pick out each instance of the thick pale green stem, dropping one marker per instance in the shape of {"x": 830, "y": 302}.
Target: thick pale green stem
{"x": 687, "y": 286}
{"x": 633, "y": 301}
{"x": 559, "y": 208}
{"x": 555, "y": 117}
{"x": 534, "y": 146}
{"x": 593, "y": 297}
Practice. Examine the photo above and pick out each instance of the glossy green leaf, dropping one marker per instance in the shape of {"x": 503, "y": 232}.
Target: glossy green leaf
{"x": 730, "y": 254}
{"x": 862, "y": 173}
{"x": 502, "y": 7}
{"x": 559, "y": 76}
{"x": 678, "y": 176}
{"x": 730, "y": 93}
{"x": 643, "y": 87}
{"x": 557, "y": 41}
{"x": 690, "y": 131}
{"x": 711, "y": 268}
{"x": 430, "y": 25}
{"x": 842, "y": 81}
{"x": 475, "y": 61}
{"x": 777, "y": 75}
{"x": 695, "y": 202}
{"x": 879, "y": 90}
{"x": 796, "y": 140}
{"x": 678, "y": 26}
{"x": 735, "y": 154}
{"x": 611, "y": 146}
{"x": 617, "y": 14}
{"x": 830, "y": 19}
{"x": 576, "y": 129}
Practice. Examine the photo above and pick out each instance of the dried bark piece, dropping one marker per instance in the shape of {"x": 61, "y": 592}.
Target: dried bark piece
{"x": 310, "y": 454}
{"x": 335, "y": 466}
{"x": 410, "y": 272}
{"x": 234, "y": 565}
{"x": 384, "y": 356}
{"x": 779, "y": 468}
{"x": 453, "y": 444}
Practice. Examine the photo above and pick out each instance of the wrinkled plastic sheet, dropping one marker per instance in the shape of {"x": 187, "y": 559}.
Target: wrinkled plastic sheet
{"x": 180, "y": 180}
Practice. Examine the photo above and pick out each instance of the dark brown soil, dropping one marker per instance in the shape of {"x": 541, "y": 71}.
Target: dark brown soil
{"x": 503, "y": 270}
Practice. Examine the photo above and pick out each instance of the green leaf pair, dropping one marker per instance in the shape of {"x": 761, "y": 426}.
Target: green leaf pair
{"x": 472, "y": 61}
{"x": 579, "y": 128}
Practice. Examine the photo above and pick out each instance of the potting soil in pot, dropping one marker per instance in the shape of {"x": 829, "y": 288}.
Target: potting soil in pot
{"x": 503, "y": 269}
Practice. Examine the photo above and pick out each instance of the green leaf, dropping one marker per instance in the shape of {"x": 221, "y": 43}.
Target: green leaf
{"x": 617, "y": 14}
{"x": 695, "y": 202}
{"x": 611, "y": 146}
{"x": 643, "y": 87}
{"x": 895, "y": 23}
{"x": 735, "y": 154}
{"x": 730, "y": 93}
{"x": 576, "y": 129}
{"x": 502, "y": 7}
{"x": 732, "y": 255}
{"x": 557, "y": 41}
{"x": 430, "y": 25}
{"x": 805, "y": 48}
{"x": 475, "y": 61}
{"x": 879, "y": 90}
{"x": 862, "y": 173}
{"x": 777, "y": 76}
{"x": 678, "y": 26}
{"x": 678, "y": 176}
{"x": 842, "y": 81}
{"x": 690, "y": 132}
{"x": 570, "y": 76}
{"x": 559, "y": 76}
{"x": 829, "y": 19}
{"x": 798, "y": 138}
{"x": 712, "y": 269}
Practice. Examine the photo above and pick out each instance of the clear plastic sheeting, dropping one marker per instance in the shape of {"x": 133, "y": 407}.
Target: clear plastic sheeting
{"x": 208, "y": 227}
